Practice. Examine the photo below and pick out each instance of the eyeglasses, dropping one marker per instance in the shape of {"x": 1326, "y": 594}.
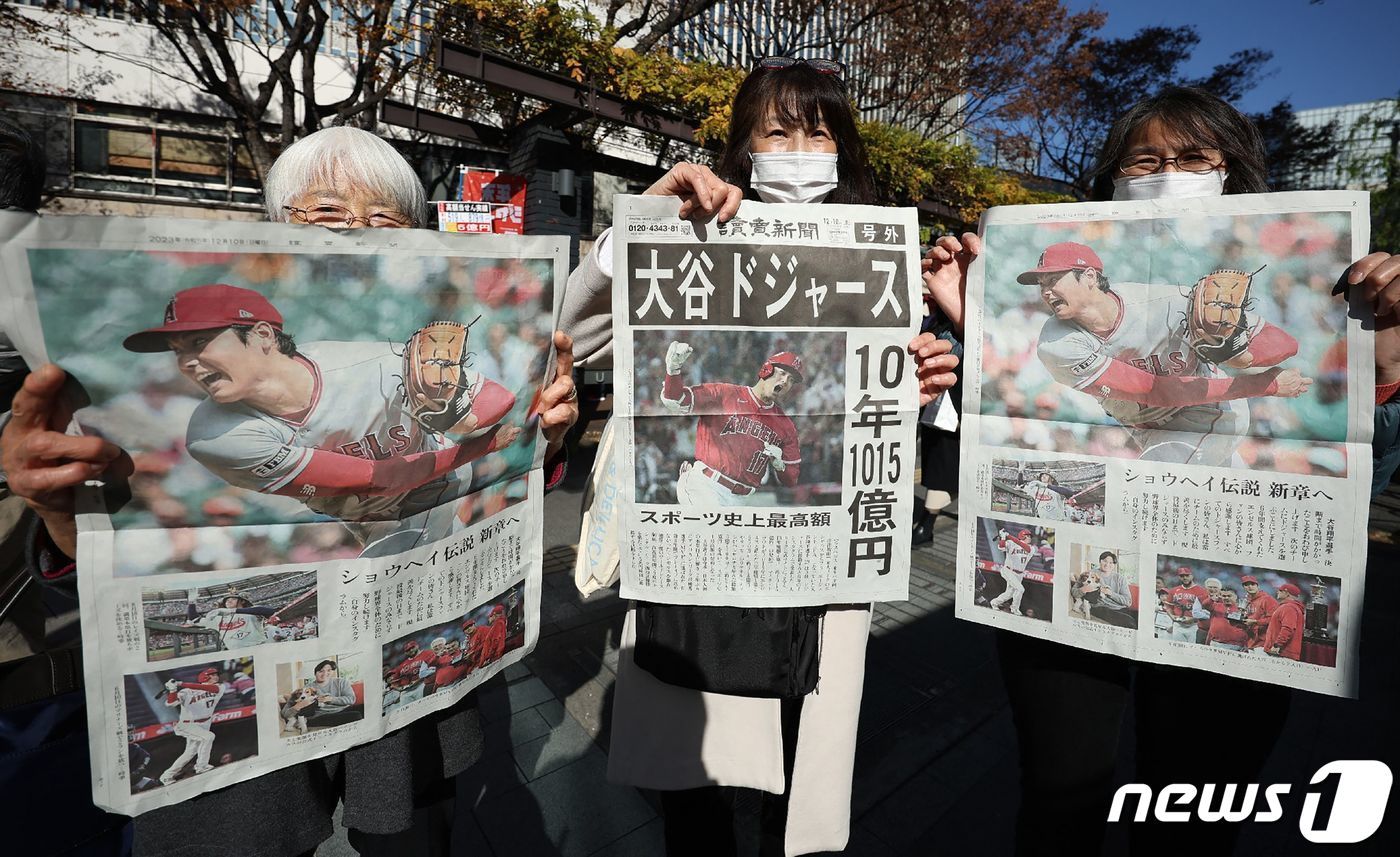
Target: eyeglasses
{"x": 1191, "y": 161}
{"x": 820, "y": 66}
{"x": 336, "y": 215}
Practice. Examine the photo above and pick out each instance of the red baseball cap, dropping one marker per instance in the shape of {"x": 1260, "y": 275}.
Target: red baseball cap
{"x": 1249, "y": 578}
{"x": 1065, "y": 256}
{"x": 205, "y": 308}
{"x": 788, "y": 362}
{"x": 1185, "y": 569}
{"x": 1291, "y": 590}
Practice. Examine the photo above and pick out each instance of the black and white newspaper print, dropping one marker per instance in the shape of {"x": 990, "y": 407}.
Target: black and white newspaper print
{"x": 295, "y": 553}
{"x": 1166, "y": 434}
{"x": 767, "y": 402}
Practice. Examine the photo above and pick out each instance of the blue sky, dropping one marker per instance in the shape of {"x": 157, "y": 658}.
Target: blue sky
{"x": 1336, "y": 52}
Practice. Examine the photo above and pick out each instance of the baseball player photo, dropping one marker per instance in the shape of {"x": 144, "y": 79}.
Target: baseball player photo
{"x": 319, "y": 694}
{"x": 362, "y": 394}
{"x": 370, "y": 433}
{"x": 1054, "y": 490}
{"x": 1015, "y": 570}
{"x": 180, "y": 720}
{"x": 1199, "y": 338}
{"x": 438, "y": 658}
{"x": 225, "y": 616}
{"x": 1103, "y": 586}
{"x": 1269, "y": 613}
{"x": 767, "y": 434}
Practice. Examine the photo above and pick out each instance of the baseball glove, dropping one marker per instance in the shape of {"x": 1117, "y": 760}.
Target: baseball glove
{"x": 438, "y": 385}
{"x": 1217, "y": 326}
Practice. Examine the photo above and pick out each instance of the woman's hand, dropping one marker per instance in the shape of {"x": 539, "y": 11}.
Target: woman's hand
{"x": 936, "y": 365}
{"x": 1379, "y": 275}
{"x": 945, "y": 274}
{"x": 559, "y": 401}
{"x": 703, "y": 194}
{"x": 42, "y": 463}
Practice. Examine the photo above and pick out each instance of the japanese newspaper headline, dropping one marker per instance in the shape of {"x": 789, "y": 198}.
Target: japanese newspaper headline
{"x": 327, "y": 521}
{"x": 1166, "y": 435}
{"x": 766, "y": 402}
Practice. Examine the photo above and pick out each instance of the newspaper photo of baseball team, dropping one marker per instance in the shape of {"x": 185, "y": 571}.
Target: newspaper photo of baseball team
{"x": 229, "y": 614}
{"x": 1205, "y": 340}
{"x": 436, "y": 658}
{"x": 1053, "y": 490}
{"x": 1262, "y": 611}
{"x": 1015, "y": 568}
{"x": 187, "y": 721}
{"x": 262, "y": 397}
{"x": 739, "y": 418}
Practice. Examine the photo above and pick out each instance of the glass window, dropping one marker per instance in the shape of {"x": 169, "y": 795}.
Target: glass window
{"x": 113, "y": 151}
{"x": 193, "y": 159}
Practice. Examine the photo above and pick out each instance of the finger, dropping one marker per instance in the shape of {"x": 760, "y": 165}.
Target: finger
{"x": 563, "y": 356}
{"x": 972, "y": 243}
{"x": 697, "y": 177}
{"x": 559, "y": 416}
{"x": 36, "y": 482}
{"x": 950, "y": 244}
{"x": 556, "y": 393}
{"x": 941, "y": 363}
{"x": 1362, "y": 267}
{"x": 732, "y": 197}
{"x": 1382, "y": 276}
{"x": 52, "y": 446}
{"x": 939, "y": 383}
{"x": 36, "y": 403}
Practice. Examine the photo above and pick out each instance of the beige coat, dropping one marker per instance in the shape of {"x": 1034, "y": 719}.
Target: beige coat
{"x": 668, "y": 738}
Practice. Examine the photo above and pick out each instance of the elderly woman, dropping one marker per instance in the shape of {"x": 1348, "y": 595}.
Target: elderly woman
{"x": 396, "y": 791}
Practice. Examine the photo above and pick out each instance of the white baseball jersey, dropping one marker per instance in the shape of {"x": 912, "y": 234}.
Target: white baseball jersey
{"x": 1049, "y": 503}
{"x": 236, "y": 630}
{"x": 357, "y": 408}
{"x": 1017, "y": 557}
{"x": 1148, "y": 336}
{"x": 196, "y": 703}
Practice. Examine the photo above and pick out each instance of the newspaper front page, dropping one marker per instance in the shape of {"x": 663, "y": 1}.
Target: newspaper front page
{"x": 767, "y": 402}
{"x": 1166, "y": 433}
{"x": 288, "y": 562}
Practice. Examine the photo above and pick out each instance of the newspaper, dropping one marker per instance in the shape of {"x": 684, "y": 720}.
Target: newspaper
{"x": 1130, "y": 487}
{"x": 766, "y": 402}
{"x": 295, "y": 565}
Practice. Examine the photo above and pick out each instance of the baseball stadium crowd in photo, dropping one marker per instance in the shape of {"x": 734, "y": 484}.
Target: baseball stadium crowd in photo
{"x": 326, "y": 531}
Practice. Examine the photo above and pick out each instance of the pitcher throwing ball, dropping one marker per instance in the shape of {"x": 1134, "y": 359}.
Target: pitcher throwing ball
{"x": 743, "y": 436}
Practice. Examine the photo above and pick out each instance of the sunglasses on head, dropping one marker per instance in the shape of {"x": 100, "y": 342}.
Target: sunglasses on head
{"x": 818, "y": 65}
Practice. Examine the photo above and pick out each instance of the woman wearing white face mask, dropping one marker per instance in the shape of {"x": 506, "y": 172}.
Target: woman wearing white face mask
{"x": 1068, "y": 704}
{"x": 771, "y": 768}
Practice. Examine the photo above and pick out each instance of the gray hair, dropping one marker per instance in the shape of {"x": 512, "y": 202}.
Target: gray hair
{"x": 333, "y": 155}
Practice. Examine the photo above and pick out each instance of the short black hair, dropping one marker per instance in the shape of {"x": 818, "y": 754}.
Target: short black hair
{"x": 1204, "y": 119}
{"x": 285, "y": 343}
{"x": 1106, "y": 554}
{"x": 22, "y": 167}
{"x": 326, "y": 663}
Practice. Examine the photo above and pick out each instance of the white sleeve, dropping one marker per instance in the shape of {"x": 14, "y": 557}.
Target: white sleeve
{"x": 246, "y": 453}
{"x": 1075, "y": 359}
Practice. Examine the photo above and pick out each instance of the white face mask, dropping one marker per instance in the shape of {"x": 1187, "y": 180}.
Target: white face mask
{"x": 793, "y": 176}
{"x": 1170, "y": 185}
